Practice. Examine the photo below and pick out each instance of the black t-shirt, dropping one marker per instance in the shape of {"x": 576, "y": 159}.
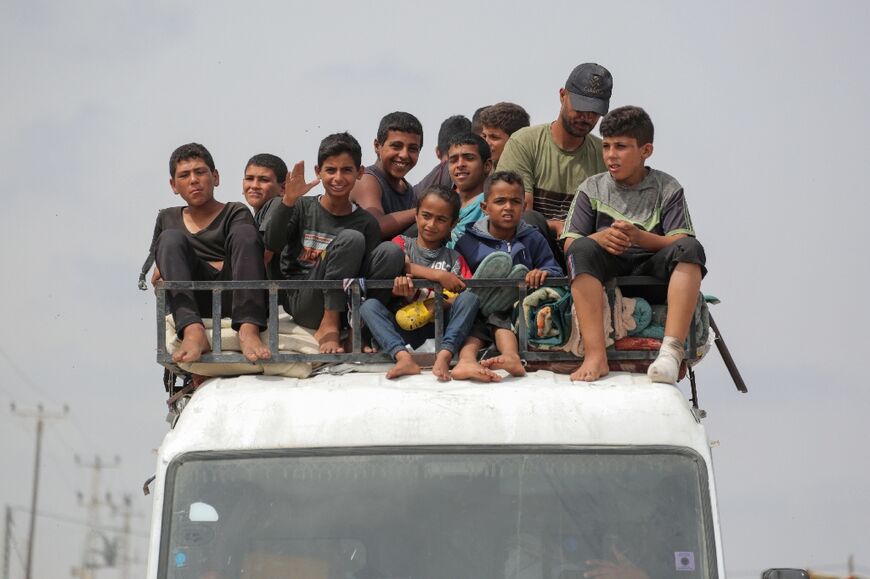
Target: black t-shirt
{"x": 210, "y": 242}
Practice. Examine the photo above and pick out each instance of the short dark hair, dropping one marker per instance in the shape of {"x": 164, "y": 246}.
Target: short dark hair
{"x": 452, "y": 126}
{"x": 445, "y": 194}
{"x": 509, "y": 177}
{"x": 189, "y": 151}
{"x": 508, "y": 117}
{"x": 401, "y": 122}
{"x": 472, "y": 139}
{"x": 338, "y": 143}
{"x": 269, "y": 161}
{"x": 628, "y": 122}
{"x": 476, "y": 125}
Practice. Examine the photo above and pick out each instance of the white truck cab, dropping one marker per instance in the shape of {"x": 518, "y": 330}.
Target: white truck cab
{"x": 357, "y": 477}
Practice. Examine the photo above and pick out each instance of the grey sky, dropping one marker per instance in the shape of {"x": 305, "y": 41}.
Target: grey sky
{"x": 760, "y": 112}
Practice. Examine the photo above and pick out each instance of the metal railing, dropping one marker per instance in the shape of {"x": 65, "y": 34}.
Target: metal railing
{"x": 218, "y": 355}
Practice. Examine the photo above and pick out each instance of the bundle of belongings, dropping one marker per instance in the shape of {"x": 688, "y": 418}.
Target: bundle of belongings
{"x": 631, "y": 324}
{"x": 292, "y": 339}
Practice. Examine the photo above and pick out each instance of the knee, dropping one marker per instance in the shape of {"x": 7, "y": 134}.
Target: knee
{"x": 245, "y": 233}
{"x": 582, "y": 247}
{"x": 350, "y": 237}
{"x": 170, "y": 240}
{"x": 690, "y": 249}
{"x": 391, "y": 257}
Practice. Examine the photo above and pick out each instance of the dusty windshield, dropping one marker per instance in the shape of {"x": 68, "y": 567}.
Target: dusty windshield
{"x": 435, "y": 516}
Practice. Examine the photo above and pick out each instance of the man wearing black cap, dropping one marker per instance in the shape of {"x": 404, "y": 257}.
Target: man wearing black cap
{"x": 554, "y": 158}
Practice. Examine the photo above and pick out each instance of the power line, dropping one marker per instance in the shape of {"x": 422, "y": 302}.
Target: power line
{"x": 80, "y": 523}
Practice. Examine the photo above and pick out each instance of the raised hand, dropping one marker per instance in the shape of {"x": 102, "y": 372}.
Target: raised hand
{"x": 295, "y": 185}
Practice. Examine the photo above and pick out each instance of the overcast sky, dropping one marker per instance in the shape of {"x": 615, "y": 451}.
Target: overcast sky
{"x": 760, "y": 111}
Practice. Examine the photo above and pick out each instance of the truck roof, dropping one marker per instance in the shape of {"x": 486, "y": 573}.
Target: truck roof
{"x": 367, "y": 410}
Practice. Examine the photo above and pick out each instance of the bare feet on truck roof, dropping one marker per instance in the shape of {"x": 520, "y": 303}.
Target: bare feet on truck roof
{"x": 510, "y": 362}
{"x": 441, "y": 367}
{"x": 328, "y": 334}
{"x": 194, "y": 343}
{"x": 592, "y": 368}
{"x": 467, "y": 370}
{"x": 405, "y": 366}
{"x": 252, "y": 346}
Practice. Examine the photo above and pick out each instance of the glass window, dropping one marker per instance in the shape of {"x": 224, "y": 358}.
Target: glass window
{"x": 478, "y": 515}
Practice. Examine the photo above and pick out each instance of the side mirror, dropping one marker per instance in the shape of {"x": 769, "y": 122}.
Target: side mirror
{"x": 785, "y": 574}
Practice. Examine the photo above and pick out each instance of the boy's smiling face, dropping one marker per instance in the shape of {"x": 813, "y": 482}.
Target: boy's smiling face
{"x": 625, "y": 159}
{"x": 338, "y": 174}
{"x": 399, "y": 153}
{"x": 194, "y": 182}
{"x": 504, "y": 207}
{"x": 467, "y": 170}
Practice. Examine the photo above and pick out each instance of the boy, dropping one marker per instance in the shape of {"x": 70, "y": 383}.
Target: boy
{"x": 264, "y": 179}
{"x": 468, "y": 157}
{"x": 440, "y": 174}
{"x": 427, "y": 258}
{"x": 502, "y": 236}
{"x": 207, "y": 241}
{"x": 499, "y": 122}
{"x": 632, "y": 220}
{"x": 383, "y": 190}
{"x": 328, "y": 237}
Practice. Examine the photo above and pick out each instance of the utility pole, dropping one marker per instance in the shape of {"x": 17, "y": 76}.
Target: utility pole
{"x": 41, "y": 416}
{"x": 7, "y": 542}
{"x": 95, "y": 541}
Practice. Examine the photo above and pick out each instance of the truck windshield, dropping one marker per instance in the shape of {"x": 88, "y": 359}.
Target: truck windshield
{"x": 474, "y": 515}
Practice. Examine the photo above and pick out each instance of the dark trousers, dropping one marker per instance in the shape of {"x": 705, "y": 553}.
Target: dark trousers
{"x": 178, "y": 261}
{"x": 537, "y": 220}
{"x": 345, "y": 258}
{"x": 586, "y": 256}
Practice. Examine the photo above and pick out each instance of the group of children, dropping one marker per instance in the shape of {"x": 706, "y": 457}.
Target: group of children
{"x": 469, "y": 220}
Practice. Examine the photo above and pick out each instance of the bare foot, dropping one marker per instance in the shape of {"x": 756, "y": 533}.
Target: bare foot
{"x": 194, "y": 344}
{"x": 329, "y": 342}
{"x": 466, "y": 370}
{"x": 405, "y": 366}
{"x": 441, "y": 367}
{"x": 592, "y": 368}
{"x": 509, "y": 362}
{"x": 252, "y": 346}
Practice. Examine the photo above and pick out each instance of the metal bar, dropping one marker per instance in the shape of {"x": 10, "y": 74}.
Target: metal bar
{"x": 161, "y": 323}
{"x": 694, "y": 385}
{"x": 522, "y": 326}
{"x": 356, "y": 328}
{"x": 726, "y": 357}
{"x": 439, "y": 316}
{"x": 273, "y": 320}
{"x": 216, "y": 321}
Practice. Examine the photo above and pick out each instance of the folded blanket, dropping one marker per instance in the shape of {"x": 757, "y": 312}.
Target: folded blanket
{"x": 292, "y": 339}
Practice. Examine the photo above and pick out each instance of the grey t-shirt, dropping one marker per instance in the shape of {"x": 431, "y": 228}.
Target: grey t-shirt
{"x": 656, "y": 204}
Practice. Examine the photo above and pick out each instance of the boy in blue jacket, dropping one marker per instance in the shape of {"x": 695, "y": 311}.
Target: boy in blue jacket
{"x": 502, "y": 245}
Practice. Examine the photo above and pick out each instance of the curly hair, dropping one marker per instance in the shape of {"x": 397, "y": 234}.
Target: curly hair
{"x": 628, "y": 122}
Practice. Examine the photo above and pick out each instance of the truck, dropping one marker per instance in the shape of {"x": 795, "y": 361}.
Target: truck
{"x": 353, "y": 476}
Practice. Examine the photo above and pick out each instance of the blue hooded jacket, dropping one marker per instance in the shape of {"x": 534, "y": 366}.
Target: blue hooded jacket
{"x": 528, "y": 247}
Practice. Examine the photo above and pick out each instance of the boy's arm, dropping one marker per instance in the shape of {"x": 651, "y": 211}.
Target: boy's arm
{"x": 580, "y": 221}
{"x": 517, "y": 158}
{"x": 277, "y": 220}
{"x": 676, "y": 224}
{"x": 367, "y": 194}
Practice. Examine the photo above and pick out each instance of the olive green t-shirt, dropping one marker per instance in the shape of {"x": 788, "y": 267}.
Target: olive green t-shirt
{"x": 549, "y": 173}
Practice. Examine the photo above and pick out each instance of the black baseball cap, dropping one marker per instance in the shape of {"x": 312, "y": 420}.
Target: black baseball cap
{"x": 589, "y": 86}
